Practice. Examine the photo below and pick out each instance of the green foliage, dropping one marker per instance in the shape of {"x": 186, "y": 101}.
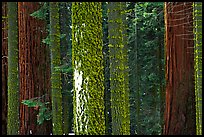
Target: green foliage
{"x": 64, "y": 69}
{"x": 147, "y": 17}
{"x": 42, "y": 13}
{"x": 47, "y": 39}
{"x": 44, "y": 112}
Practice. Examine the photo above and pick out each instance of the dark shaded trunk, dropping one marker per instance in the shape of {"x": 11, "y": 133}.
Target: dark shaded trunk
{"x": 4, "y": 67}
{"x": 65, "y": 50}
{"x": 107, "y": 94}
{"x": 180, "y": 99}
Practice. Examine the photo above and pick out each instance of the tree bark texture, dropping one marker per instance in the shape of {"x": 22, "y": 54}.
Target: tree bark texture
{"x": 197, "y": 8}
{"x": 13, "y": 71}
{"x": 119, "y": 81}
{"x": 4, "y": 67}
{"x": 56, "y": 84}
{"x": 34, "y": 67}
{"x": 180, "y": 99}
{"x": 65, "y": 50}
{"x": 87, "y": 60}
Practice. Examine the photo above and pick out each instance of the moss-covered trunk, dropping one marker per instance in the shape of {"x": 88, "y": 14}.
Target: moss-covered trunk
{"x": 13, "y": 71}
{"x": 198, "y": 64}
{"x": 119, "y": 83}
{"x": 56, "y": 84}
{"x": 87, "y": 61}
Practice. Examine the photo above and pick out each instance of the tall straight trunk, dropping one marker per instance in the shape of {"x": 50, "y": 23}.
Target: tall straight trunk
{"x": 106, "y": 70}
{"x": 160, "y": 73}
{"x": 13, "y": 78}
{"x": 161, "y": 85}
{"x": 136, "y": 77}
{"x": 180, "y": 98}
{"x": 56, "y": 84}
{"x": 133, "y": 74}
{"x": 65, "y": 49}
{"x": 119, "y": 83}
{"x": 87, "y": 61}
{"x": 34, "y": 67}
{"x": 198, "y": 64}
{"x": 4, "y": 66}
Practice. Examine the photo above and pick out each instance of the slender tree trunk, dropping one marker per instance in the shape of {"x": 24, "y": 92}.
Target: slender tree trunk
{"x": 106, "y": 70}
{"x": 198, "y": 64}
{"x": 87, "y": 60}
{"x": 13, "y": 71}
{"x": 180, "y": 98}
{"x": 65, "y": 50}
{"x": 4, "y": 66}
{"x": 136, "y": 77}
{"x": 56, "y": 84}
{"x": 161, "y": 85}
{"x": 161, "y": 74}
{"x": 119, "y": 82}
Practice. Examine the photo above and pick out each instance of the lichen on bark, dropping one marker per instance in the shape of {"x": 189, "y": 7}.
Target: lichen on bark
{"x": 87, "y": 60}
{"x": 119, "y": 81}
{"x": 197, "y": 16}
{"x": 13, "y": 78}
{"x": 56, "y": 85}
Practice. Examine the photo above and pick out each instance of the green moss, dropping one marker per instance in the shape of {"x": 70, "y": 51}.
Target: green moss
{"x": 118, "y": 70}
{"x": 198, "y": 64}
{"x": 56, "y": 84}
{"x": 87, "y": 49}
{"x": 13, "y": 79}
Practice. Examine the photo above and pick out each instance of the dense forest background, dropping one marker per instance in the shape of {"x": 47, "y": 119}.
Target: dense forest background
{"x": 102, "y": 68}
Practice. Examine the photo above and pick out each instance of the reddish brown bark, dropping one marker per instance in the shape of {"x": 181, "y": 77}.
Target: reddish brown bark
{"x": 4, "y": 67}
{"x": 180, "y": 101}
{"x": 33, "y": 66}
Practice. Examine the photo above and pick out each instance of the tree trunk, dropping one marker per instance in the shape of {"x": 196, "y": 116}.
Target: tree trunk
{"x": 106, "y": 70}
{"x": 34, "y": 67}
{"x": 4, "y": 66}
{"x": 56, "y": 84}
{"x": 13, "y": 78}
{"x": 65, "y": 50}
{"x": 180, "y": 99}
{"x": 198, "y": 64}
{"x": 87, "y": 61}
{"x": 119, "y": 82}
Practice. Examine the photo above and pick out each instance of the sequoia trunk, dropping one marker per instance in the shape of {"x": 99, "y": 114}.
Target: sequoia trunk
{"x": 180, "y": 98}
